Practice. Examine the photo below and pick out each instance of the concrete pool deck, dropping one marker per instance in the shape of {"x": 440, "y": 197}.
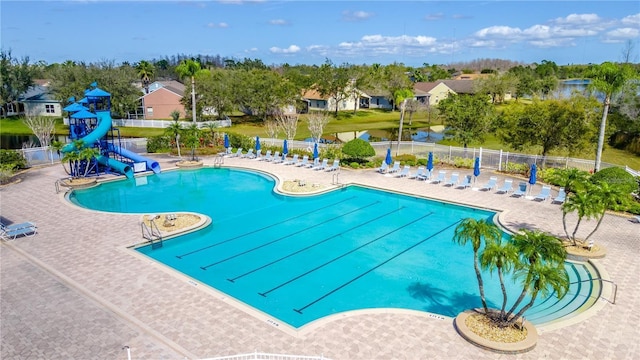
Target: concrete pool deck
{"x": 73, "y": 292}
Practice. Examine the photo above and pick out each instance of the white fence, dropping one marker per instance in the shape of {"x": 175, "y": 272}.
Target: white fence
{"x": 489, "y": 159}
{"x": 163, "y": 123}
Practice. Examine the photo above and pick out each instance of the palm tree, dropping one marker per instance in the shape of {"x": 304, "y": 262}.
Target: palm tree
{"x": 192, "y": 139}
{"x": 569, "y": 179}
{"x": 145, "y": 71}
{"x": 608, "y": 78}
{"x": 584, "y": 204}
{"x": 500, "y": 256}
{"x": 174, "y": 130}
{"x": 541, "y": 278}
{"x": 537, "y": 249}
{"x": 189, "y": 68}
{"x": 473, "y": 231}
{"x": 609, "y": 197}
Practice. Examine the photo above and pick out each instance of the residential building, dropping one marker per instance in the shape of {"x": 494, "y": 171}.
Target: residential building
{"x": 163, "y": 99}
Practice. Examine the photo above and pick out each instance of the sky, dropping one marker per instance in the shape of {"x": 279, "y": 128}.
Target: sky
{"x": 309, "y": 32}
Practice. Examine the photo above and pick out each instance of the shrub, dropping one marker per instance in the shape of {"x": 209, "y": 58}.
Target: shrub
{"x": 158, "y": 143}
{"x": 407, "y": 159}
{"x": 243, "y": 141}
{"x": 358, "y": 148}
{"x": 13, "y": 159}
{"x": 331, "y": 152}
{"x": 618, "y": 176}
{"x": 463, "y": 162}
{"x": 6, "y": 172}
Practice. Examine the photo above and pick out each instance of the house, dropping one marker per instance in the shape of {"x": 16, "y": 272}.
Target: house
{"x": 432, "y": 92}
{"x": 162, "y": 99}
{"x": 314, "y": 101}
{"x": 38, "y": 100}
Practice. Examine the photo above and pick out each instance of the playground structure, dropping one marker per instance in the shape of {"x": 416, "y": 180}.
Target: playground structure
{"x": 90, "y": 126}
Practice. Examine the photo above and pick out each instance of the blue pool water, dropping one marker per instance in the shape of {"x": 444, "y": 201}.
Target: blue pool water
{"x": 299, "y": 259}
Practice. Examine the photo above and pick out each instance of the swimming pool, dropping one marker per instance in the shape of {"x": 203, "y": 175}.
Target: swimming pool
{"x": 299, "y": 259}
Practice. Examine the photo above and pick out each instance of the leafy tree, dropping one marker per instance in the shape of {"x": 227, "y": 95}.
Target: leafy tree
{"x": 42, "y": 127}
{"x": 608, "y": 78}
{"x": 467, "y": 117}
{"x": 333, "y": 82}
{"x": 17, "y": 78}
{"x": 189, "y": 68}
{"x": 358, "y": 149}
{"x": 569, "y": 179}
{"x": 175, "y": 130}
{"x": 395, "y": 80}
{"x": 192, "y": 139}
{"x": 497, "y": 86}
{"x": 551, "y": 124}
{"x": 618, "y": 176}
{"x": 583, "y": 204}
{"x": 216, "y": 90}
{"x": 611, "y": 196}
{"x": 475, "y": 231}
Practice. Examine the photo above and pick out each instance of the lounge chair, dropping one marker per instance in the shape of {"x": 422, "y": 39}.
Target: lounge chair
{"x": 395, "y": 168}
{"x": 279, "y": 158}
{"x": 11, "y": 232}
{"x": 275, "y": 156}
{"x": 544, "y": 194}
{"x": 521, "y": 190}
{"x": 466, "y": 182}
{"x": 506, "y": 187}
{"x": 266, "y": 157}
{"x": 249, "y": 154}
{"x": 636, "y": 219}
{"x": 440, "y": 178}
{"x": 418, "y": 173}
{"x": 490, "y": 184}
{"x": 405, "y": 171}
{"x": 453, "y": 180}
{"x": 383, "y": 168}
{"x": 335, "y": 166}
{"x": 315, "y": 163}
{"x": 304, "y": 162}
{"x": 562, "y": 196}
{"x": 293, "y": 160}
{"x": 238, "y": 153}
{"x": 322, "y": 166}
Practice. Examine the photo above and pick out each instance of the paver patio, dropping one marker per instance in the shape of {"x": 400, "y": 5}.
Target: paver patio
{"x": 73, "y": 291}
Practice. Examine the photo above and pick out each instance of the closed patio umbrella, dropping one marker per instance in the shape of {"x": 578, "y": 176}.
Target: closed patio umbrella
{"x": 476, "y": 169}
{"x": 430, "y": 163}
{"x": 285, "y": 148}
{"x": 315, "y": 151}
{"x": 257, "y": 143}
{"x": 226, "y": 141}
{"x": 388, "y": 159}
{"x": 532, "y": 176}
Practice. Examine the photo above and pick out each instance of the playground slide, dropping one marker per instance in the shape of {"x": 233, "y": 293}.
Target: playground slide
{"x": 151, "y": 164}
{"x": 104, "y": 124}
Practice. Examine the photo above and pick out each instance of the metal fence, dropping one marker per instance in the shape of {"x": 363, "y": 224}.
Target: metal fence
{"x": 489, "y": 159}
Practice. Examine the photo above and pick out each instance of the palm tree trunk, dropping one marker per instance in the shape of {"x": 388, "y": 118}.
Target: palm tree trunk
{"x": 597, "y": 226}
{"x": 504, "y": 293}
{"x": 603, "y": 125}
{"x": 480, "y": 283}
{"x": 573, "y": 236}
{"x": 193, "y": 97}
{"x": 564, "y": 225}
{"x": 524, "y": 308}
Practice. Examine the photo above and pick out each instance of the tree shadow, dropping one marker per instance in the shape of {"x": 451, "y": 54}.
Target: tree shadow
{"x": 438, "y": 301}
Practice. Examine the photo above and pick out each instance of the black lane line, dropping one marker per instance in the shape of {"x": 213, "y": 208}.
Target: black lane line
{"x": 286, "y": 236}
{"x": 373, "y": 268}
{"x": 343, "y": 255}
{"x": 263, "y": 228}
{"x": 313, "y": 245}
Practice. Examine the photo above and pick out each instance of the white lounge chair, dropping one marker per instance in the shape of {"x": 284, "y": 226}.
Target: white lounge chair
{"x": 490, "y": 184}
{"x": 383, "y": 168}
{"x": 266, "y": 157}
{"x": 506, "y": 187}
{"x": 293, "y": 160}
{"x": 453, "y": 180}
{"x": 395, "y": 168}
{"x": 521, "y": 190}
{"x": 322, "y": 166}
{"x": 273, "y": 157}
{"x": 304, "y": 162}
{"x": 544, "y": 194}
{"x": 238, "y": 153}
{"x": 13, "y": 231}
{"x": 466, "y": 182}
{"x": 315, "y": 163}
{"x": 562, "y": 196}
{"x": 405, "y": 171}
{"x": 249, "y": 154}
{"x": 419, "y": 173}
{"x": 440, "y": 178}
{"x": 335, "y": 166}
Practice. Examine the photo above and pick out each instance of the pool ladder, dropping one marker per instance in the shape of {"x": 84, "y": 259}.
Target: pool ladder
{"x": 218, "y": 161}
{"x": 152, "y": 233}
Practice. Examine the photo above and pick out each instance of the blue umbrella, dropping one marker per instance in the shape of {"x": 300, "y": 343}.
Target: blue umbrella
{"x": 532, "y": 175}
{"x": 388, "y": 159}
{"x": 476, "y": 168}
{"x": 226, "y": 141}
{"x": 257, "y": 143}
{"x": 285, "y": 148}
{"x": 430, "y": 162}
{"x": 315, "y": 151}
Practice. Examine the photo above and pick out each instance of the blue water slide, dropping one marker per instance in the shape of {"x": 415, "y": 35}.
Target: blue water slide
{"x": 116, "y": 165}
{"x": 104, "y": 125}
{"x": 151, "y": 164}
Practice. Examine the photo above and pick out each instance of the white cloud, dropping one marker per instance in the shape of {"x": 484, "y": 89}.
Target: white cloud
{"x": 498, "y": 31}
{"x": 356, "y": 15}
{"x": 292, "y": 49}
{"x": 631, "y": 20}
{"x": 433, "y": 17}
{"x": 621, "y": 34}
{"x": 578, "y": 19}
{"x": 278, "y": 22}
{"x": 218, "y": 25}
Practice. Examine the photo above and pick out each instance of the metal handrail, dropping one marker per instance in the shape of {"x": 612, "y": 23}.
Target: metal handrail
{"x": 615, "y": 288}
